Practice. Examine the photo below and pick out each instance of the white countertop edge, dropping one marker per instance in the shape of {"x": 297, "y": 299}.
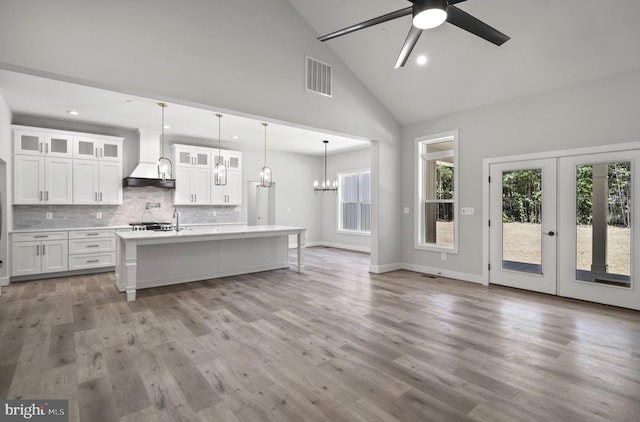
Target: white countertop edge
{"x": 211, "y": 231}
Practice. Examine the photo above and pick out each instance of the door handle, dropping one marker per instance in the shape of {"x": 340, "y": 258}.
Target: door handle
{"x": 46, "y": 195}
{"x": 37, "y": 250}
{"x": 43, "y": 250}
{"x": 550, "y": 233}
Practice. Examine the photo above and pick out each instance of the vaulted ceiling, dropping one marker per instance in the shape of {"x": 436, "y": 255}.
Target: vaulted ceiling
{"x": 553, "y": 44}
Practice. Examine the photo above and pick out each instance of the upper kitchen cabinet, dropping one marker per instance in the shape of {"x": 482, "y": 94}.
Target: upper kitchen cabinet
{"x": 32, "y": 141}
{"x": 97, "y": 183}
{"x": 97, "y": 148}
{"x": 232, "y": 159}
{"x": 191, "y": 156}
{"x": 42, "y": 180}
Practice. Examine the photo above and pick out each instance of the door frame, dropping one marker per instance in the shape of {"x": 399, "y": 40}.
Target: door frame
{"x": 486, "y": 199}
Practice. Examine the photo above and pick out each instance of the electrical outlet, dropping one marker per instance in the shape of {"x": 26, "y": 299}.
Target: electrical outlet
{"x": 405, "y": 210}
{"x": 98, "y": 215}
{"x": 214, "y": 214}
{"x": 443, "y": 256}
{"x": 48, "y": 215}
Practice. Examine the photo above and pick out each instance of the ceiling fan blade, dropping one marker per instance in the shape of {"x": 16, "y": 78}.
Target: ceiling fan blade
{"x": 465, "y": 21}
{"x": 367, "y": 24}
{"x": 409, "y": 43}
{"x": 450, "y": 2}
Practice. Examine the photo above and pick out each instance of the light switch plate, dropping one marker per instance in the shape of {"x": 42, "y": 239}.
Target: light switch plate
{"x": 48, "y": 215}
{"x": 98, "y": 215}
{"x": 467, "y": 211}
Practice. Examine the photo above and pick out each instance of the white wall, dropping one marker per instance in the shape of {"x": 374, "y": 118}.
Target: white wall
{"x": 601, "y": 112}
{"x": 359, "y": 159}
{"x": 5, "y": 188}
{"x": 246, "y": 56}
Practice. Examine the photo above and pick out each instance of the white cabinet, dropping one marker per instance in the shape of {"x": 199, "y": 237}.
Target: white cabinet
{"x": 232, "y": 159}
{"x": 91, "y": 249}
{"x": 97, "y": 148}
{"x": 231, "y": 193}
{"x": 37, "y": 253}
{"x": 191, "y": 156}
{"x": 33, "y": 141}
{"x": 42, "y": 180}
{"x": 97, "y": 182}
{"x": 192, "y": 174}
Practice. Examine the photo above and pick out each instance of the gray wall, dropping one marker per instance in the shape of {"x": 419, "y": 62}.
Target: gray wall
{"x": 359, "y": 159}
{"x": 247, "y": 62}
{"x": 601, "y": 112}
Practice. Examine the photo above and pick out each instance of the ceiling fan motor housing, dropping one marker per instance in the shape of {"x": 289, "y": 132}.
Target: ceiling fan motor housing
{"x": 429, "y": 13}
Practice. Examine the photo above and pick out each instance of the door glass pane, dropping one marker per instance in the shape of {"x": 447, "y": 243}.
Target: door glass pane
{"x": 29, "y": 143}
{"x": 85, "y": 148}
{"x": 59, "y": 145}
{"x": 234, "y": 162}
{"x": 184, "y": 158}
{"x": 522, "y": 220}
{"x": 603, "y": 223}
{"x": 111, "y": 151}
{"x": 203, "y": 159}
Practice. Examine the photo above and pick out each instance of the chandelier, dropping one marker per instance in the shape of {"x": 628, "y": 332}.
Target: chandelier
{"x": 325, "y": 185}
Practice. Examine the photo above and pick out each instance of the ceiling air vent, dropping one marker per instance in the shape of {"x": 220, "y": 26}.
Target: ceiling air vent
{"x": 319, "y": 77}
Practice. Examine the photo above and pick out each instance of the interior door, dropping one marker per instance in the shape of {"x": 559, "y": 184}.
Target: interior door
{"x": 523, "y": 225}
{"x": 598, "y": 195}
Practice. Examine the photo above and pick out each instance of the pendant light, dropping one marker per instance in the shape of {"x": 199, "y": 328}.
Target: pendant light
{"x": 165, "y": 166}
{"x": 265, "y": 172}
{"x": 220, "y": 170}
{"x": 326, "y": 185}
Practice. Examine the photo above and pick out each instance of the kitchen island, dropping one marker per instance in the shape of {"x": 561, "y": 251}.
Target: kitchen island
{"x": 152, "y": 258}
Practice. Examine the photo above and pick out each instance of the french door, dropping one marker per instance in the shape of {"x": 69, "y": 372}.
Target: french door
{"x": 523, "y": 225}
{"x": 566, "y": 226}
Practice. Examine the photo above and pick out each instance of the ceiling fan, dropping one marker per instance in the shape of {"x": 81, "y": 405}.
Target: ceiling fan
{"x": 428, "y": 14}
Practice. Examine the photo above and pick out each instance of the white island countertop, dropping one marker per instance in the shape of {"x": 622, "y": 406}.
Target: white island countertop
{"x": 219, "y": 231}
{"x": 156, "y": 258}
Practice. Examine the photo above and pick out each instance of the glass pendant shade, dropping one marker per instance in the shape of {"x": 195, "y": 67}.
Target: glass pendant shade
{"x": 220, "y": 173}
{"x": 220, "y": 169}
{"x": 165, "y": 166}
{"x": 265, "y": 177}
{"x": 265, "y": 172}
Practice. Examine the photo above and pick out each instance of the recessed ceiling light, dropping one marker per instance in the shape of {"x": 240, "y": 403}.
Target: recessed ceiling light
{"x": 167, "y": 127}
{"x": 422, "y": 60}
{"x": 234, "y": 137}
{"x": 73, "y": 113}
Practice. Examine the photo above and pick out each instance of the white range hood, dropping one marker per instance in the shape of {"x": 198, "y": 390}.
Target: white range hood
{"x": 146, "y": 171}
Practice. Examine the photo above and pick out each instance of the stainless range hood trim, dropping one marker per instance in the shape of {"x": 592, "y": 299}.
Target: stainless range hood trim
{"x": 138, "y": 182}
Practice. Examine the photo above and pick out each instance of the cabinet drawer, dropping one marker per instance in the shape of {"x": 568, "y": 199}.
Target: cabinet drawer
{"x": 92, "y": 245}
{"x": 28, "y": 237}
{"x": 90, "y": 234}
{"x": 80, "y": 262}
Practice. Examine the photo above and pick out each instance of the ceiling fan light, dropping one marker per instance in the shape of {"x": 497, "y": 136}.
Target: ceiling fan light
{"x": 429, "y": 14}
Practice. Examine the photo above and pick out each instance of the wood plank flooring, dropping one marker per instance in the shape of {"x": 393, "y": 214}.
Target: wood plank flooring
{"x": 332, "y": 344}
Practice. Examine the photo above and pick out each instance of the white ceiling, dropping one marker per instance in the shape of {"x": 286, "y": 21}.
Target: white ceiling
{"x": 31, "y": 95}
{"x": 553, "y": 44}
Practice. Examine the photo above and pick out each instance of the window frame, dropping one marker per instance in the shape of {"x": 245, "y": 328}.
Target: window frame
{"x": 419, "y": 178}
{"x": 339, "y": 202}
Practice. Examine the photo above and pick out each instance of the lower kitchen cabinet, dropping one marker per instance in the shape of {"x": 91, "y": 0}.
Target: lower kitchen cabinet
{"x": 37, "y": 253}
{"x": 91, "y": 249}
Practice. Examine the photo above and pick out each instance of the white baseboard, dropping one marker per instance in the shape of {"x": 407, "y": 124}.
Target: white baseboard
{"x": 379, "y": 269}
{"x": 4, "y": 281}
{"x": 294, "y": 245}
{"x": 347, "y": 247}
{"x": 473, "y": 278}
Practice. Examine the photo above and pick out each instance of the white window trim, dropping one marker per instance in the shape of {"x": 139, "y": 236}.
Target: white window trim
{"x": 339, "y": 203}
{"x": 417, "y": 194}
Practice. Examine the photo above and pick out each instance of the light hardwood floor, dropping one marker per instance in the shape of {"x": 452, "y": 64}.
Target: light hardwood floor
{"x": 333, "y": 344}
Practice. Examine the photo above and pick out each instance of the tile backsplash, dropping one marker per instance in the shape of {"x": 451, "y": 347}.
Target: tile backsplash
{"x": 133, "y": 209}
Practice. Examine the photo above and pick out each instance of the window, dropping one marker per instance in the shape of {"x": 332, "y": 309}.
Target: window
{"x": 437, "y": 227}
{"x": 354, "y": 210}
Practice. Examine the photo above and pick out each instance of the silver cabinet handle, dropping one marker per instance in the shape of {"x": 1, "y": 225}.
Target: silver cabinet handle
{"x": 46, "y": 148}
{"x": 100, "y": 196}
{"x": 41, "y": 195}
{"x": 43, "y": 250}
{"x": 95, "y": 194}
{"x": 46, "y": 195}
{"x": 101, "y": 152}
{"x": 40, "y": 236}
{"x": 93, "y": 246}
{"x": 195, "y": 197}
{"x": 40, "y": 147}
{"x": 92, "y": 234}
{"x": 92, "y": 261}
{"x": 37, "y": 250}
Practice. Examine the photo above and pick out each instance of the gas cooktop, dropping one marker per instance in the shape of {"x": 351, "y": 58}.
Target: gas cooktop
{"x": 162, "y": 227}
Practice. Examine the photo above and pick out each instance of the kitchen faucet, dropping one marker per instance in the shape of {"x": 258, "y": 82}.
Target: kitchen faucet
{"x": 176, "y": 215}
